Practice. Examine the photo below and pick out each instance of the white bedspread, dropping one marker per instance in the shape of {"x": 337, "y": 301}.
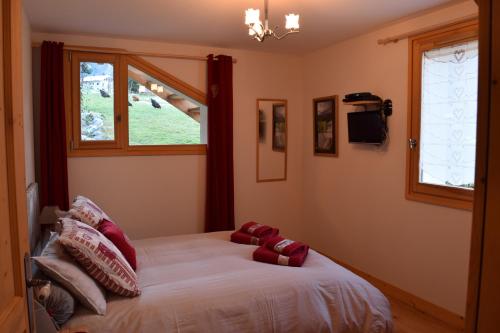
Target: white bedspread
{"x": 205, "y": 283}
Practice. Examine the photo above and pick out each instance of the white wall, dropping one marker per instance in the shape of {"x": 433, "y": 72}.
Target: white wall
{"x": 28, "y": 102}
{"x": 165, "y": 195}
{"x": 355, "y": 206}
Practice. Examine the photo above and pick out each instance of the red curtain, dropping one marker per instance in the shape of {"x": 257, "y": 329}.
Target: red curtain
{"x": 53, "y": 159}
{"x": 220, "y": 183}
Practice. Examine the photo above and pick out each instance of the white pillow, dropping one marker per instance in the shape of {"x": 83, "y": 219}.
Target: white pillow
{"x": 60, "y": 267}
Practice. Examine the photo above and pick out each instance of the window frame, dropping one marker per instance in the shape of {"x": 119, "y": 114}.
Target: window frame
{"x": 120, "y": 145}
{"x": 78, "y": 143}
{"x": 430, "y": 193}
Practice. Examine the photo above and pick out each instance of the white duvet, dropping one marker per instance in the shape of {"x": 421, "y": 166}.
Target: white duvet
{"x": 205, "y": 283}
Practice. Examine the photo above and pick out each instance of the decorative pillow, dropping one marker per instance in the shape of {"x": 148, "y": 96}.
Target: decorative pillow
{"x": 60, "y": 267}
{"x": 121, "y": 241}
{"x": 58, "y": 303}
{"x": 85, "y": 210}
{"x": 100, "y": 257}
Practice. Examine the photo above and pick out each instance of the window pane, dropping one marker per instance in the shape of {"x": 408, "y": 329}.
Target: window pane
{"x": 96, "y": 101}
{"x": 448, "y": 115}
{"x": 159, "y": 115}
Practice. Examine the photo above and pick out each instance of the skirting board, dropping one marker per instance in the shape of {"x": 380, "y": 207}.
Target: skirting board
{"x": 419, "y": 304}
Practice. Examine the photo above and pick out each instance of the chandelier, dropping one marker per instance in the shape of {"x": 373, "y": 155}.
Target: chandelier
{"x": 260, "y": 31}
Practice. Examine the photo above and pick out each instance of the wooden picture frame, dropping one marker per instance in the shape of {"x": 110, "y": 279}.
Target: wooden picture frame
{"x": 279, "y": 127}
{"x": 325, "y": 126}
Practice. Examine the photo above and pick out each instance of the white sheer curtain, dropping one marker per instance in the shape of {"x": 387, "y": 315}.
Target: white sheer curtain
{"x": 448, "y": 115}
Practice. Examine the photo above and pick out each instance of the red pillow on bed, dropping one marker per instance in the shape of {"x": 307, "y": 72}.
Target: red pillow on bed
{"x": 112, "y": 232}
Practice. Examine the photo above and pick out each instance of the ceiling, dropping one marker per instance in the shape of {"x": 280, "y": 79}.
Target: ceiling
{"x": 219, "y": 23}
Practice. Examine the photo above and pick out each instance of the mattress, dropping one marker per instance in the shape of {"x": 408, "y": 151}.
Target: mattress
{"x": 205, "y": 283}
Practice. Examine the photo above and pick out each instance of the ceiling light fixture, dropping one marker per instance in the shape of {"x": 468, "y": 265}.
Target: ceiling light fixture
{"x": 260, "y": 31}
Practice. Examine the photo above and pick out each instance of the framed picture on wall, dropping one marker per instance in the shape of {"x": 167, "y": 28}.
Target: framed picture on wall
{"x": 279, "y": 127}
{"x": 325, "y": 118}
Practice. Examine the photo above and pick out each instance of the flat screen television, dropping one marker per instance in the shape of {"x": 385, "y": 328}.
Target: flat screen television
{"x": 366, "y": 127}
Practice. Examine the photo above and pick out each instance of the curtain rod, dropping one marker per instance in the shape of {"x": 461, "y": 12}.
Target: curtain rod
{"x": 397, "y": 38}
{"x": 136, "y": 53}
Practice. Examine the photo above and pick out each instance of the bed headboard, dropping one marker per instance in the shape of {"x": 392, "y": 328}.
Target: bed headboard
{"x": 37, "y": 241}
{"x": 34, "y": 232}
{"x": 34, "y": 229}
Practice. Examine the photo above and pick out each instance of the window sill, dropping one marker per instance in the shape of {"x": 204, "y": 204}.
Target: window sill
{"x": 464, "y": 204}
{"x": 141, "y": 151}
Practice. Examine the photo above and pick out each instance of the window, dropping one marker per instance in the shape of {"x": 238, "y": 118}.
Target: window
{"x": 123, "y": 105}
{"x": 443, "y": 112}
{"x": 95, "y": 100}
{"x": 159, "y": 115}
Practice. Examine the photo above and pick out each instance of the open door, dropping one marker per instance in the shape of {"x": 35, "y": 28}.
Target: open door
{"x": 483, "y": 302}
{"x": 13, "y": 222}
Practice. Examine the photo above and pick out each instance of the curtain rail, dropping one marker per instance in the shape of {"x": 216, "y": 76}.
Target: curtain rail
{"x": 397, "y": 38}
{"x": 136, "y": 53}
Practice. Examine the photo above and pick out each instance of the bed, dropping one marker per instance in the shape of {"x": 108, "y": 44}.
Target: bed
{"x": 205, "y": 283}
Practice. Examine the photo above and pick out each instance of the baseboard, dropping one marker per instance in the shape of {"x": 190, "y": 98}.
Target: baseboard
{"x": 419, "y": 304}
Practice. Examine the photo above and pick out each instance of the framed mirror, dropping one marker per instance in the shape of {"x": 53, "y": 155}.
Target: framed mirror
{"x": 272, "y": 127}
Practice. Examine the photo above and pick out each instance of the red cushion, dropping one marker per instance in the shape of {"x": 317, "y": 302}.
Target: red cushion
{"x": 120, "y": 240}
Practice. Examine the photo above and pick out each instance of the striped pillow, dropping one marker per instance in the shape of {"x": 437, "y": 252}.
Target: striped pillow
{"x": 99, "y": 257}
{"x": 85, "y": 210}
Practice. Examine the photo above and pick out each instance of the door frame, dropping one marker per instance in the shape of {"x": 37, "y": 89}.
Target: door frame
{"x": 487, "y": 184}
{"x": 16, "y": 317}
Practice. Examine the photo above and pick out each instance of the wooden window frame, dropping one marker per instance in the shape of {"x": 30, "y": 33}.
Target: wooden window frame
{"x": 429, "y": 193}
{"x": 120, "y": 145}
{"x": 77, "y": 143}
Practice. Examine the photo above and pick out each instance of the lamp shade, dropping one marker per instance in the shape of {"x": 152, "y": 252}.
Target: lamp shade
{"x": 252, "y": 16}
{"x": 257, "y": 29}
{"x": 160, "y": 89}
{"x": 292, "y": 22}
{"x": 154, "y": 86}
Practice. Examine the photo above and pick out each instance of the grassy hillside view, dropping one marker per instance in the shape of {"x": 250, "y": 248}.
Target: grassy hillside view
{"x": 147, "y": 125}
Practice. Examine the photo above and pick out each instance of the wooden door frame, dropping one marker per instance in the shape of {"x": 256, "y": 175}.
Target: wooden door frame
{"x": 485, "y": 154}
{"x": 14, "y": 135}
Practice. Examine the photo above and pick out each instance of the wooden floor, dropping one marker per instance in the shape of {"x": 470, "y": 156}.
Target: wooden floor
{"x": 409, "y": 320}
